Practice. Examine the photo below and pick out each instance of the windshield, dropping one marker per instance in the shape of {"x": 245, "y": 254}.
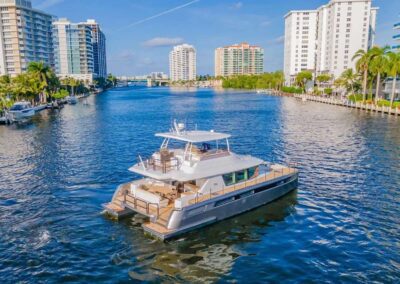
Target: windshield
{"x": 17, "y": 107}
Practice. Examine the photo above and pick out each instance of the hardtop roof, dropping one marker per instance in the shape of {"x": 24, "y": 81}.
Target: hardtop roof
{"x": 194, "y": 136}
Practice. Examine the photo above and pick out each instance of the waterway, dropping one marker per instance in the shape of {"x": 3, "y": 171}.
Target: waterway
{"x": 341, "y": 225}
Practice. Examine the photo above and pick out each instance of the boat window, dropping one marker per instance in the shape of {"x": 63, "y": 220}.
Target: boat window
{"x": 251, "y": 172}
{"x": 17, "y": 107}
{"x": 229, "y": 179}
{"x": 241, "y": 176}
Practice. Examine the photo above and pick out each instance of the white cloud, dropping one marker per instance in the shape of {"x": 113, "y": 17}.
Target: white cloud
{"x": 48, "y": 3}
{"x": 237, "y": 5}
{"x": 265, "y": 23}
{"x": 163, "y": 41}
{"x": 278, "y": 40}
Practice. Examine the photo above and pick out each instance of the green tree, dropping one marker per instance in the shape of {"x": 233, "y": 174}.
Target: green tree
{"x": 348, "y": 79}
{"x": 302, "y": 78}
{"x": 379, "y": 65}
{"x": 393, "y": 69}
{"x": 43, "y": 74}
{"x": 363, "y": 62}
{"x": 323, "y": 78}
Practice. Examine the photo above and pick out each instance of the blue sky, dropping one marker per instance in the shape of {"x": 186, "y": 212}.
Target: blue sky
{"x": 140, "y": 33}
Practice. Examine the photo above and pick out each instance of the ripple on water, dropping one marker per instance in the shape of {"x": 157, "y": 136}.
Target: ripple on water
{"x": 341, "y": 225}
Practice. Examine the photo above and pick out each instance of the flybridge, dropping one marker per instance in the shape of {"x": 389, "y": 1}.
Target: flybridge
{"x": 178, "y": 132}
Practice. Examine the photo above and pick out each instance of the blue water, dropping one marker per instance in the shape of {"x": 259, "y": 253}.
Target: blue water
{"x": 341, "y": 225}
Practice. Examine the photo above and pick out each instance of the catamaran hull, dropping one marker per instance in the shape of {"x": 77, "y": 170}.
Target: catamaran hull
{"x": 226, "y": 206}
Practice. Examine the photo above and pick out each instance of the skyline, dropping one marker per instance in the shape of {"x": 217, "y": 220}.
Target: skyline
{"x": 139, "y": 42}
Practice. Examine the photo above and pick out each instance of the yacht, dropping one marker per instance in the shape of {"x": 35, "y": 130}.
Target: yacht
{"x": 72, "y": 100}
{"x": 194, "y": 179}
{"x": 22, "y": 110}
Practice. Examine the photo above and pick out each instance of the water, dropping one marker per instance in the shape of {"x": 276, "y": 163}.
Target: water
{"x": 342, "y": 224}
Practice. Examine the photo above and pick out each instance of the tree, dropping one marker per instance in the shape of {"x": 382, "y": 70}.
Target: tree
{"x": 323, "y": 78}
{"x": 302, "y": 78}
{"x": 362, "y": 66}
{"x": 112, "y": 79}
{"x": 43, "y": 73}
{"x": 379, "y": 65}
{"x": 72, "y": 83}
{"x": 348, "y": 79}
{"x": 393, "y": 70}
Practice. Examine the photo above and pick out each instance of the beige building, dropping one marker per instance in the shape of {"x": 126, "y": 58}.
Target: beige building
{"x": 239, "y": 59}
{"x": 25, "y": 36}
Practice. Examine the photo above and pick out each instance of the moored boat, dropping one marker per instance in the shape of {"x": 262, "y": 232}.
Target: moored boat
{"x": 202, "y": 182}
{"x": 21, "y": 111}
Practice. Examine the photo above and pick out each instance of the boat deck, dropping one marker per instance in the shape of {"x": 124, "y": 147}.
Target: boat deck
{"x": 158, "y": 225}
{"x": 260, "y": 179}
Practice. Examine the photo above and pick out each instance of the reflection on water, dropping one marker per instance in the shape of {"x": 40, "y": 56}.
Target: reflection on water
{"x": 341, "y": 225}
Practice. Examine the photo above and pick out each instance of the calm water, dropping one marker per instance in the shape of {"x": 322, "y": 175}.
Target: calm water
{"x": 342, "y": 224}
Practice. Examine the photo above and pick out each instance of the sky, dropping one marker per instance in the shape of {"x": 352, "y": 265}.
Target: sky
{"x": 140, "y": 33}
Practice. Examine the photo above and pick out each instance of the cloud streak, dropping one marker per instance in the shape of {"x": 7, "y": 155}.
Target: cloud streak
{"x": 48, "y": 3}
{"x": 162, "y": 41}
{"x": 159, "y": 14}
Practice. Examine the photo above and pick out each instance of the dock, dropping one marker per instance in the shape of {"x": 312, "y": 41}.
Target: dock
{"x": 350, "y": 104}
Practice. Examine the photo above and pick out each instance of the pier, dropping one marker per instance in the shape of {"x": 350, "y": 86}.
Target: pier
{"x": 350, "y": 104}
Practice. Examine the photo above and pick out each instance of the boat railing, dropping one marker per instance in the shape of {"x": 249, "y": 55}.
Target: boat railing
{"x": 156, "y": 164}
{"x": 136, "y": 203}
{"x": 273, "y": 174}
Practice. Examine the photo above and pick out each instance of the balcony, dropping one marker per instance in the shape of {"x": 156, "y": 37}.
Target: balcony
{"x": 396, "y": 26}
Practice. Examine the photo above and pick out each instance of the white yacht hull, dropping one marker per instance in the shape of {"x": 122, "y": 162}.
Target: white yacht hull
{"x": 226, "y": 206}
{"x": 23, "y": 114}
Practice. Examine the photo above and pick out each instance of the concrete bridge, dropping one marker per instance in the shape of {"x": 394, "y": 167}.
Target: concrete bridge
{"x": 150, "y": 82}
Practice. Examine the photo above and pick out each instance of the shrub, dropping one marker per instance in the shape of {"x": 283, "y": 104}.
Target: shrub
{"x": 292, "y": 90}
{"x": 328, "y": 91}
{"x": 355, "y": 97}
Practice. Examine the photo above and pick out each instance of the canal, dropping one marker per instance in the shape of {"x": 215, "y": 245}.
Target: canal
{"x": 342, "y": 224}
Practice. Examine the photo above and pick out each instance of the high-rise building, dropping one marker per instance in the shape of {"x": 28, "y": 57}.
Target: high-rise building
{"x": 73, "y": 50}
{"x": 325, "y": 40}
{"x": 25, "y": 36}
{"x": 397, "y": 36}
{"x": 239, "y": 59}
{"x": 99, "y": 49}
{"x": 182, "y": 63}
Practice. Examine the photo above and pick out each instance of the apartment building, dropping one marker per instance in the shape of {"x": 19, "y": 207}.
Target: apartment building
{"x": 182, "y": 63}
{"x": 324, "y": 40}
{"x": 73, "y": 50}
{"x": 396, "y": 37}
{"x": 239, "y": 59}
{"x": 25, "y": 36}
{"x": 99, "y": 48}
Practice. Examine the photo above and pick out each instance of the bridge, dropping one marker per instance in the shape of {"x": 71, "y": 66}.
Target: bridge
{"x": 150, "y": 82}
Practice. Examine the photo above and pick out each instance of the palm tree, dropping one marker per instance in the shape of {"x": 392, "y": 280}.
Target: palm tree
{"x": 393, "y": 70}
{"x": 362, "y": 66}
{"x": 349, "y": 79}
{"x": 379, "y": 64}
{"x": 43, "y": 73}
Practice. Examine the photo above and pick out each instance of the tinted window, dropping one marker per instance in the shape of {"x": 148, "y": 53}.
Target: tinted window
{"x": 228, "y": 179}
{"x": 17, "y": 107}
{"x": 251, "y": 172}
{"x": 240, "y": 176}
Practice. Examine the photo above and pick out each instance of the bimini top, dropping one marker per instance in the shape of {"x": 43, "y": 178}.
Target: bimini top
{"x": 195, "y": 136}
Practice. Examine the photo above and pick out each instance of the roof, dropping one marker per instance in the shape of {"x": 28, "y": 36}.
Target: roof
{"x": 202, "y": 169}
{"x": 195, "y": 136}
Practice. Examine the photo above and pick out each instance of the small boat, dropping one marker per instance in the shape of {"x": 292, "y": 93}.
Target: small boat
{"x": 72, "y": 100}
{"x": 202, "y": 182}
{"x": 22, "y": 111}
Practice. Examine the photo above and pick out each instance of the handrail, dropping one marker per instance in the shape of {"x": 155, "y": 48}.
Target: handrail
{"x": 259, "y": 179}
{"x": 135, "y": 199}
